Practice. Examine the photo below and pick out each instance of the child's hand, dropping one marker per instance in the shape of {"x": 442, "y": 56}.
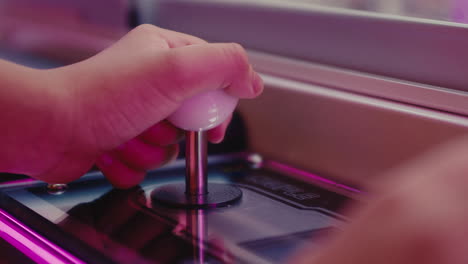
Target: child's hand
{"x": 112, "y": 107}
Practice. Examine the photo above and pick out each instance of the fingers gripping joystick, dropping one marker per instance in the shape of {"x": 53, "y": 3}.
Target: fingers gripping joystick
{"x": 196, "y": 115}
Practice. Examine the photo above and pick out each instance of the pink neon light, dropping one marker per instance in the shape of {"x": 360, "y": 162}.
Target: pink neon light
{"x": 29, "y": 248}
{"x": 311, "y": 175}
{"x": 17, "y": 182}
{"x": 13, "y": 232}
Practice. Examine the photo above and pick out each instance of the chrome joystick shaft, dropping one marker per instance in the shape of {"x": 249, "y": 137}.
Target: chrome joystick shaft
{"x": 196, "y": 192}
{"x": 197, "y": 115}
{"x": 197, "y": 228}
{"x": 196, "y": 177}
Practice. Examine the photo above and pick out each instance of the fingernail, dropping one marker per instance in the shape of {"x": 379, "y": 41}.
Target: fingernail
{"x": 219, "y": 139}
{"x": 171, "y": 153}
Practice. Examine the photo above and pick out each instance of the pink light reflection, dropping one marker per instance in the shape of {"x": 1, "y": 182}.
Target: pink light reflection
{"x": 20, "y": 181}
{"x": 26, "y": 246}
{"x": 30, "y": 243}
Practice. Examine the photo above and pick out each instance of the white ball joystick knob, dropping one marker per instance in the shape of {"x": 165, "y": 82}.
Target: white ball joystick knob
{"x": 204, "y": 111}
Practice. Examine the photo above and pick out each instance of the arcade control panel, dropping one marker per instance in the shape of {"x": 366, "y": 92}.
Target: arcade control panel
{"x": 281, "y": 209}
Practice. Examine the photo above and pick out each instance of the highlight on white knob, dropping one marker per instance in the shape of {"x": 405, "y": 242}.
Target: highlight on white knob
{"x": 204, "y": 111}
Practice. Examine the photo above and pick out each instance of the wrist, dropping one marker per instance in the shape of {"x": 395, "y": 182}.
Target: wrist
{"x": 37, "y": 114}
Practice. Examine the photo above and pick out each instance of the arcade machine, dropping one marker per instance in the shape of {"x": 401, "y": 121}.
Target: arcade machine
{"x": 351, "y": 91}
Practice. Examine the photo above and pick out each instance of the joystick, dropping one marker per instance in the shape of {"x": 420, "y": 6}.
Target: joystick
{"x": 197, "y": 115}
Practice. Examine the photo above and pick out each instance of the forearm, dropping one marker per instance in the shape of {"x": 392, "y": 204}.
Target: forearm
{"x": 29, "y": 113}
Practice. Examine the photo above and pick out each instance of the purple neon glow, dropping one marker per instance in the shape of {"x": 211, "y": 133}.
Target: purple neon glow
{"x": 16, "y": 182}
{"x": 311, "y": 175}
{"x": 460, "y": 11}
{"x": 30, "y": 243}
{"x": 29, "y": 248}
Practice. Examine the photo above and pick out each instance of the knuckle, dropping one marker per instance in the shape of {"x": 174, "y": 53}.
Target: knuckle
{"x": 196, "y": 40}
{"x": 175, "y": 66}
{"x": 237, "y": 54}
{"x": 146, "y": 39}
{"x": 146, "y": 29}
{"x": 149, "y": 33}
{"x": 176, "y": 76}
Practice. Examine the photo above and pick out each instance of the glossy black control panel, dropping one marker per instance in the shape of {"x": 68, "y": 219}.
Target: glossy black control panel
{"x": 276, "y": 215}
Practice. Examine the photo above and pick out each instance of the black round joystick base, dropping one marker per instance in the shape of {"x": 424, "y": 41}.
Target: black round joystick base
{"x": 219, "y": 195}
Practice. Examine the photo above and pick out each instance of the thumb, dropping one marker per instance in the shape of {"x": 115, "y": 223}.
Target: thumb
{"x": 121, "y": 94}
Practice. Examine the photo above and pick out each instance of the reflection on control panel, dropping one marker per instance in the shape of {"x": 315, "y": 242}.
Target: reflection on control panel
{"x": 276, "y": 215}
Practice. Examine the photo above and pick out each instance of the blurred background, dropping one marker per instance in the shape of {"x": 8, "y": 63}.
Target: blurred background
{"x": 66, "y": 31}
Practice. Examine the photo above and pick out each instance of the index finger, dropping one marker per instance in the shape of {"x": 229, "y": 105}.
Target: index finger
{"x": 174, "y": 39}
{"x": 195, "y": 69}
{"x": 177, "y": 39}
